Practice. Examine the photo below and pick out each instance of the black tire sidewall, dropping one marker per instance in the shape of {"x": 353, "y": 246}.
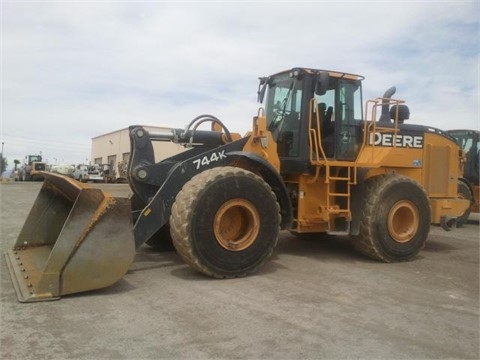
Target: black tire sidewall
{"x": 464, "y": 189}
{"x": 401, "y": 191}
{"x": 210, "y": 199}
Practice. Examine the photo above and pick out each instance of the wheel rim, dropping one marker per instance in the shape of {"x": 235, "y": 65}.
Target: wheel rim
{"x": 403, "y": 221}
{"x": 236, "y": 224}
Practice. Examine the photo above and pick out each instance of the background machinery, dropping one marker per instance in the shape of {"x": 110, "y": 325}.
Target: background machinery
{"x": 122, "y": 168}
{"x": 31, "y": 169}
{"x": 109, "y": 173}
{"x": 313, "y": 163}
{"x": 469, "y": 142}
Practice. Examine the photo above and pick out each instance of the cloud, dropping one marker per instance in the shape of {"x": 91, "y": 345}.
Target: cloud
{"x": 75, "y": 70}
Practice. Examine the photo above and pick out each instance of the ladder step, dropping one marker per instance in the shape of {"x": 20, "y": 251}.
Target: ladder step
{"x": 338, "y": 233}
{"x": 338, "y": 178}
{"x": 339, "y": 194}
{"x": 339, "y": 211}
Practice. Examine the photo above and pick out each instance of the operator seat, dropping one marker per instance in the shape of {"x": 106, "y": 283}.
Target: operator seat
{"x": 328, "y": 118}
{"x": 328, "y": 133}
{"x": 321, "y": 107}
{"x": 325, "y": 116}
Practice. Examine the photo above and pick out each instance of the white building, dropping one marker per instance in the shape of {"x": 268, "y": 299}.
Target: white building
{"x": 114, "y": 147}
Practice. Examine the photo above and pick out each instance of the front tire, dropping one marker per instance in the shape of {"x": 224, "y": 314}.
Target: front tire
{"x": 225, "y": 222}
{"x": 395, "y": 220}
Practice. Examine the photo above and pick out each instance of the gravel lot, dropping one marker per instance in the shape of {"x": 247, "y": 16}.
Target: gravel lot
{"x": 314, "y": 299}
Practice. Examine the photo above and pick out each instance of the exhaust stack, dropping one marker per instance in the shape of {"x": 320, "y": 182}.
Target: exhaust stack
{"x": 385, "y": 115}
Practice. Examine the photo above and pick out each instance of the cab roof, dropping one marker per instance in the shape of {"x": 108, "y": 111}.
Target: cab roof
{"x": 332, "y": 73}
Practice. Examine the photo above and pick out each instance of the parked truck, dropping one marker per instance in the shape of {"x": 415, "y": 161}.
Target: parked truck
{"x": 81, "y": 172}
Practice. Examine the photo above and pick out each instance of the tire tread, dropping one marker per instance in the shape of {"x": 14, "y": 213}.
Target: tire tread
{"x": 366, "y": 243}
{"x": 184, "y": 207}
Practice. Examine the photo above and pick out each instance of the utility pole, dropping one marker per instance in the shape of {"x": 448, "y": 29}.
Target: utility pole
{"x": 2, "y": 160}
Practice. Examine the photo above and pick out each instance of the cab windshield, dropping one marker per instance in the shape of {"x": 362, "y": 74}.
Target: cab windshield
{"x": 283, "y": 109}
{"x": 35, "y": 158}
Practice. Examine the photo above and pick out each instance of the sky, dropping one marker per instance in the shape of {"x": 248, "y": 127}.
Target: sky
{"x": 74, "y": 70}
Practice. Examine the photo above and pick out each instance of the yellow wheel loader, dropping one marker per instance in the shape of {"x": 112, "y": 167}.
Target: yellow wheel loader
{"x": 32, "y": 168}
{"x": 316, "y": 161}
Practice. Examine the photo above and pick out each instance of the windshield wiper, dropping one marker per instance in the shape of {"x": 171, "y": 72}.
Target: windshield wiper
{"x": 281, "y": 115}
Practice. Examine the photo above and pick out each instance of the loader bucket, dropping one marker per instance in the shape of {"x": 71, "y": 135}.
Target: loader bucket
{"x": 75, "y": 239}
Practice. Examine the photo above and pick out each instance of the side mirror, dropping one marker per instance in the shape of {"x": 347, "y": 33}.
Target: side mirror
{"x": 321, "y": 84}
{"x": 262, "y": 87}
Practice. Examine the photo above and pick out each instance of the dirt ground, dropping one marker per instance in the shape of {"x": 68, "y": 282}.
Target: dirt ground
{"x": 314, "y": 299}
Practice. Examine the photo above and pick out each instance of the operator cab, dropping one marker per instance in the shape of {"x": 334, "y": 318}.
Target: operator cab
{"x": 33, "y": 158}
{"x": 302, "y": 99}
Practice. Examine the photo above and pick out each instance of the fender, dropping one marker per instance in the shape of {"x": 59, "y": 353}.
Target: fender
{"x": 262, "y": 167}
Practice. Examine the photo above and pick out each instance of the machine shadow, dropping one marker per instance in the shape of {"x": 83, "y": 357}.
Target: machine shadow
{"x": 320, "y": 247}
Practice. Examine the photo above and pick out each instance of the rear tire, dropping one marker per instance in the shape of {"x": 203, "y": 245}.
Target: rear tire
{"x": 464, "y": 192}
{"x": 395, "y": 219}
{"x": 225, "y": 222}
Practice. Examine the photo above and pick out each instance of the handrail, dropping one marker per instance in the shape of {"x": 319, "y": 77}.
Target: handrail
{"x": 315, "y": 135}
{"x": 370, "y": 124}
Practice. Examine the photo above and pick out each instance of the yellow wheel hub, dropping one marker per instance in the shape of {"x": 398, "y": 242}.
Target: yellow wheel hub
{"x": 236, "y": 224}
{"x": 403, "y": 221}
